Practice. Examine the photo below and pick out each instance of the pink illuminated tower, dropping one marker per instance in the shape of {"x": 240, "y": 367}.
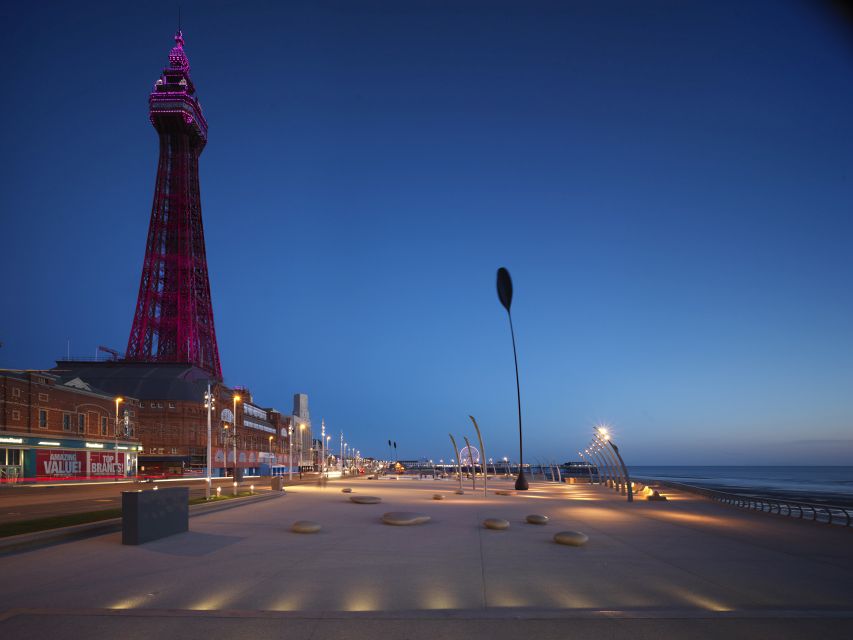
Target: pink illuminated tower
{"x": 174, "y": 318}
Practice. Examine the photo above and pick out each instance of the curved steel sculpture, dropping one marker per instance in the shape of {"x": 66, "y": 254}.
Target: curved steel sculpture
{"x": 484, "y": 457}
{"x": 458, "y": 459}
{"x": 472, "y": 462}
{"x": 504, "y": 285}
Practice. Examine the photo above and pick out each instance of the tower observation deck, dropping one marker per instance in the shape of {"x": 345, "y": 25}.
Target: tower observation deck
{"x": 173, "y": 321}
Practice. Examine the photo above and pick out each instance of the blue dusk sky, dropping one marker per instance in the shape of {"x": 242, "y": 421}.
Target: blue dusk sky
{"x": 670, "y": 184}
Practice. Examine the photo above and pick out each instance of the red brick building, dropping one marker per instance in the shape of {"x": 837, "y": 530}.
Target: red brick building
{"x": 172, "y": 417}
{"x": 55, "y": 427}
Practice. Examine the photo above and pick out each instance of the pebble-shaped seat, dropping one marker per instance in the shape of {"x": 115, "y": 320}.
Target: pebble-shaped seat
{"x": 504, "y": 492}
{"x": 346, "y": 490}
{"x": 365, "y": 499}
{"x": 438, "y": 496}
{"x": 497, "y": 524}
{"x": 305, "y": 526}
{"x": 537, "y": 519}
{"x": 571, "y": 538}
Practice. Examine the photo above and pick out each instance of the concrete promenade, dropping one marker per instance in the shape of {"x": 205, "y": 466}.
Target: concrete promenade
{"x": 683, "y": 568}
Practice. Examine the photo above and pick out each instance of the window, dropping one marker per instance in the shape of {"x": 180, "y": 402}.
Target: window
{"x": 81, "y": 423}
{"x": 16, "y": 393}
{"x": 132, "y": 414}
{"x": 66, "y": 422}
{"x": 171, "y": 405}
{"x": 103, "y": 425}
{"x": 42, "y": 419}
{"x": 42, "y": 397}
{"x": 141, "y": 405}
{"x": 16, "y": 415}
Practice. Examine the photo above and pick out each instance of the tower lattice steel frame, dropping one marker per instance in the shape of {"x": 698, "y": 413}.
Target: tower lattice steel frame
{"x": 174, "y": 317}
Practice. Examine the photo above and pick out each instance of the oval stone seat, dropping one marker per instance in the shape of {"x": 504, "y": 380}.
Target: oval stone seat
{"x": 571, "y": 538}
{"x": 438, "y": 496}
{"x": 365, "y": 499}
{"x": 404, "y": 518}
{"x": 346, "y": 490}
{"x": 305, "y": 526}
{"x": 537, "y": 519}
{"x": 459, "y": 492}
{"x": 504, "y": 492}
{"x": 497, "y": 524}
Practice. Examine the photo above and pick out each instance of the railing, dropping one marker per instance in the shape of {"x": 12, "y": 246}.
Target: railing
{"x": 828, "y": 514}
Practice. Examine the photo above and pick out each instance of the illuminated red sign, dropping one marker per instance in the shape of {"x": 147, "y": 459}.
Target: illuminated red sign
{"x": 70, "y": 464}
{"x": 106, "y": 463}
{"x": 63, "y": 464}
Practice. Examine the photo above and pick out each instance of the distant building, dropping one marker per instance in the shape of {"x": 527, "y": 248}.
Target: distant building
{"x": 302, "y": 435}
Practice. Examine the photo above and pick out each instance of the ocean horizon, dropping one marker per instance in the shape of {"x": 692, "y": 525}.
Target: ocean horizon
{"x": 806, "y": 483}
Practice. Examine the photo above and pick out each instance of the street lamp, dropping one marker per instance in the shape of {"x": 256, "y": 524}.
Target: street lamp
{"x": 604, "y": 464}
{"x": 322, "y": 445}
{"x": 600, "y": 446}
{"x": 504, "y": 285}
{"x": 290, "y": 452}
{"x": 606, "y": 436}
{"x": 326, "y": 450}
{"x": 235, "y": 399}
{"x": 208, "y": 403}
{"x": 301, "y": 445}
{"x": 115, "y": 433}
{"x": 588, "y": 467}
{"x": 270, "y": 461}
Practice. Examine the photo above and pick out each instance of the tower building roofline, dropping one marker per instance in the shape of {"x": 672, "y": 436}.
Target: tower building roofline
{"x": 173, "y": 101}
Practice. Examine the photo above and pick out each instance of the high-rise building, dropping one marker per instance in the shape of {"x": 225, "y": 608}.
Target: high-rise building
{"x": 300, "y": 406}
{"x": 302, "y": 429}
{"x": 173, "y": 321}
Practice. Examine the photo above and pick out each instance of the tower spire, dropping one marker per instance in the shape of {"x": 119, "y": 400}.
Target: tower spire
{"x": 173, "y": 321}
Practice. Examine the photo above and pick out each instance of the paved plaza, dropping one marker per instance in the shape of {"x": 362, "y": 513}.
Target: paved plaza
{"x": 650, "y": 569}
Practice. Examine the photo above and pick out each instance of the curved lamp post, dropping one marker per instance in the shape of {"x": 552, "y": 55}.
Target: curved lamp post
{"x": 588, "y": 468}
{"x": 602, "y": 464}
{"x": 505, "y": 296}
{"x": 606, "y": 437}
{"x": 615, "y": 478}
{"x": 620, "y": 476}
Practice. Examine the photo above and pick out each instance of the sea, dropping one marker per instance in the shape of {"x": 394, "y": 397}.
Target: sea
{"x": 827, "y": 485}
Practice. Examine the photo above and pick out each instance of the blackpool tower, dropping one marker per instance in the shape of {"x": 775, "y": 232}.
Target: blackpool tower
{"x": 173, "y": 321}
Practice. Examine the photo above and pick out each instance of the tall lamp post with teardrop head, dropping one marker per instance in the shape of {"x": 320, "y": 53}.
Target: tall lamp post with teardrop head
{"x": 505, "y": 296}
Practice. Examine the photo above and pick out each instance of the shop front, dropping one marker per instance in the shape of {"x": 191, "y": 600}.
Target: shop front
{"x": 249, "y": 462}
{"x": 39, "y": 459}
